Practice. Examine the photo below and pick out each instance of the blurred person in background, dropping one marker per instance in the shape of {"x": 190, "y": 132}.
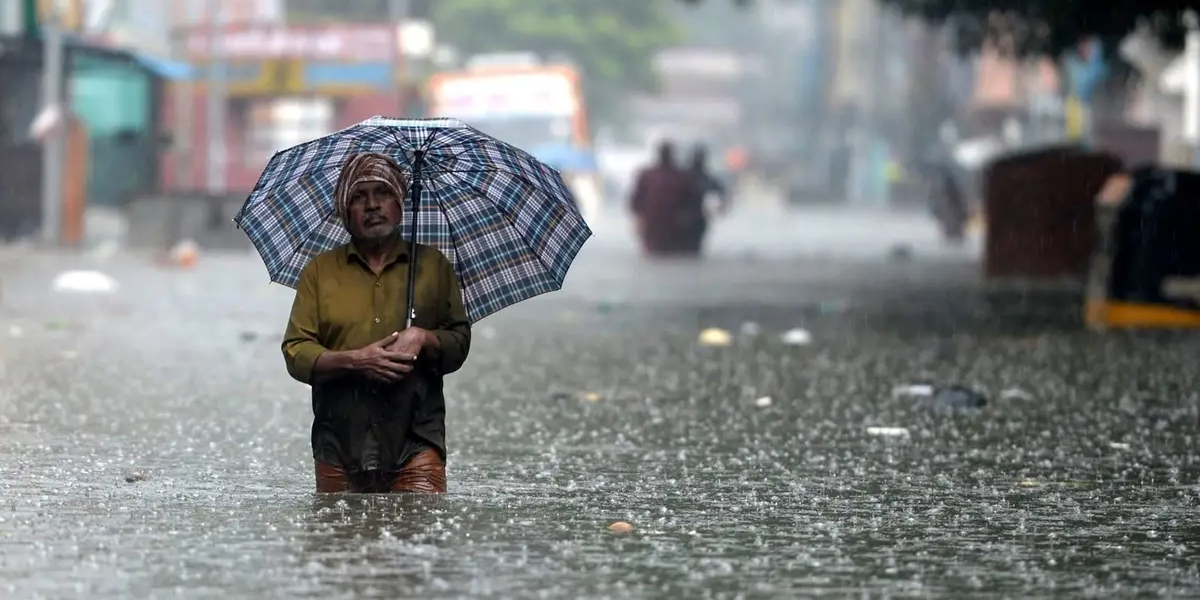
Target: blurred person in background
{"x": 667, "y": 206}
{"x": 379, "y": 413}
{"x": 948, "y": 204}
{"x": 709, "y": 192}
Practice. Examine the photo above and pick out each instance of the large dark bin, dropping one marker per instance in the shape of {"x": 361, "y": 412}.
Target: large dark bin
{"x": 1039, "y": 207}
{"x": 1155, "y": 239}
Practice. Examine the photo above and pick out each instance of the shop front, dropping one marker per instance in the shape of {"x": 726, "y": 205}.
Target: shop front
{"x": 283, "y": 85}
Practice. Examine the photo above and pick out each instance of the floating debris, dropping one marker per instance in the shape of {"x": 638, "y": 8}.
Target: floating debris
{"x": 1119, "y": 446}
{"x": 949, "y": 397}
{"x": 136, "y": 477}
{"x": 797, "y": 337}
{"x": 716, "y": 337}
{"x": 591, "y": 396}
{"x": 620, "y": 527}
{"x": 184, "y": 254}
{"x": 920, "y": 390}
{"x": 888, "y": 431}
{"x": 958, "y": 396}
{"x": 1015, "y": 394}
{"x": 763, "y": 402}
{"x": 88, "y": 282}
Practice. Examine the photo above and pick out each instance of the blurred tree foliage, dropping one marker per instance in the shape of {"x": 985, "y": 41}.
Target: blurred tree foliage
{"x": 1044, "y": 27}
{"x": 611, "y": 41}
{"x": 1050, "y": 27}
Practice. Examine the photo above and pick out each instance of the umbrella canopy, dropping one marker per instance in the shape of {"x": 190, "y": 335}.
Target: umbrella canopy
{"x": 506, "y": 221}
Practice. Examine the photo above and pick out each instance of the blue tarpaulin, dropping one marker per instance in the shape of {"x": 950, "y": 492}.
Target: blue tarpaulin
{"x": 167, "y": 69}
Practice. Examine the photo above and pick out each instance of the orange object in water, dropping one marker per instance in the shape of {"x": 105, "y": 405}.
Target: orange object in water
{"x": 620, "y": 527}
{"x": 187, "y": 260}
{"x": 185, "y": 254}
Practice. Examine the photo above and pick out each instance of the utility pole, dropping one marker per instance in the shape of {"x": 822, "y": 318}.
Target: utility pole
{"x": 185, "y": 106}
{"x": 54, "y": 144}
{"x": 398, "y": 11}
{"x": 217, "y": 100}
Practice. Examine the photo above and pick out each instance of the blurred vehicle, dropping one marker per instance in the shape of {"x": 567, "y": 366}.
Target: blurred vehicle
{"x": 539, "y": 107}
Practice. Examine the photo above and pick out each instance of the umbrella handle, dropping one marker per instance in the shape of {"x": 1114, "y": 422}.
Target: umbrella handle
{"x": 415, "y": 193}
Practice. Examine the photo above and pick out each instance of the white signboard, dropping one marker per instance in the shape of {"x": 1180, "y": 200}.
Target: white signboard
{"x": 484, "y": 95}
{"x": 365, "y": 43}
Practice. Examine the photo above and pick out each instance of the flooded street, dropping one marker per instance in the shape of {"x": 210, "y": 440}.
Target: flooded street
{"x": 152, "y": 444}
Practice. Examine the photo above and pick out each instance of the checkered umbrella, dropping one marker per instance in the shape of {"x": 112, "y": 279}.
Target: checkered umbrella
{"x": 507, "y": 222}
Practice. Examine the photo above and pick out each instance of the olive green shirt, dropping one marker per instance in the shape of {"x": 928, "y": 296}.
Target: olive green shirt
{"x": 340, "y": 305}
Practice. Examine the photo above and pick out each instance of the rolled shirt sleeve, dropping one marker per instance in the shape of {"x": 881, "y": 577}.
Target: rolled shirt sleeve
{"x": 453, "y": 327}
{"x": 300, "y": 346}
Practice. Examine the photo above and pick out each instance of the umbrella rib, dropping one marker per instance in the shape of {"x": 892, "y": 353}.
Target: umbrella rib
{"x": 454, "y": 244}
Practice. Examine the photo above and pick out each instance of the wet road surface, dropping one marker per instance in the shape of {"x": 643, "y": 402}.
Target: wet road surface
{"x": 151, "y": 444}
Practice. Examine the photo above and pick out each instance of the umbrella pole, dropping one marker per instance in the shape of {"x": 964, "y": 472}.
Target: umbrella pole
{"x": 415, "y": 193}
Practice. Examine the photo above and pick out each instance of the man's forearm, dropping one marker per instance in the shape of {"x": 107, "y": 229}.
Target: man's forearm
{"x": 332, "y": 364}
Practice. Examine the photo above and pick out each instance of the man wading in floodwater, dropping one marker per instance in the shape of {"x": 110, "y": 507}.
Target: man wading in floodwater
{"x": 379, "y": 414}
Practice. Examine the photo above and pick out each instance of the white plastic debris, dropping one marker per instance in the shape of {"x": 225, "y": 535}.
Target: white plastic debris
{"x": 87, "y": 282}
{"x": 763, "y": 402}
{"x": 887, "y": 431}
{"x": 915, "y": 390}
{"x": 797, "y": 337}
{"x": 1015, "y": 394}
{"x": 714, "y": 336}
{"x": 1118, "y": 446}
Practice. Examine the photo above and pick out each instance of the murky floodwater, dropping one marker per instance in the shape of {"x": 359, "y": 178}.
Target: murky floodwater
{"x": 1080, "y": 479}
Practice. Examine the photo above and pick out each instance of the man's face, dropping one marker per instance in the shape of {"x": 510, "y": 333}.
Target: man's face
{"x": 374, "y": 211}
